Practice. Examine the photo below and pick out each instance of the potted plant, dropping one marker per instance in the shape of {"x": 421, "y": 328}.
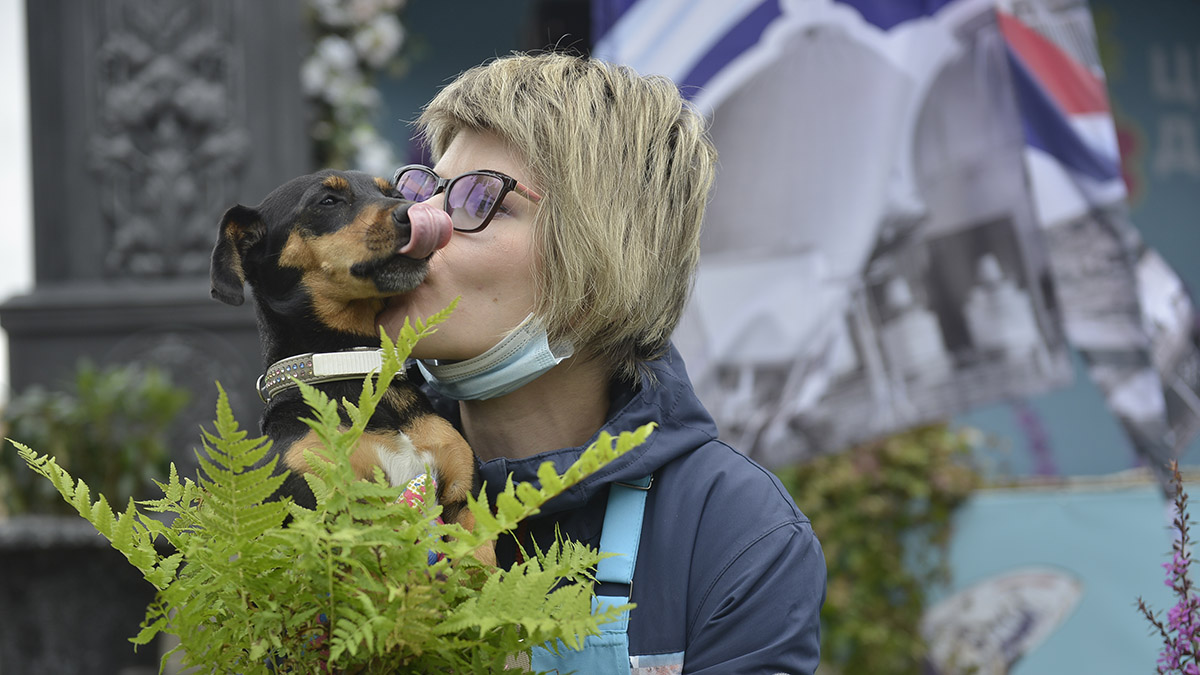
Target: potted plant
{"x": 370, "y": 581}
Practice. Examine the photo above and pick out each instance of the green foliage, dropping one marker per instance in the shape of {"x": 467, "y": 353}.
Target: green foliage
{"x": 110, "y": 429}
{"x": 348, "y": 585}
{"x": 882, "y": 512}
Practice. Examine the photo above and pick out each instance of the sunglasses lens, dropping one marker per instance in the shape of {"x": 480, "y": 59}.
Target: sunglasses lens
{"x": 471, "y": 199}
{"x": 416, "y": 185}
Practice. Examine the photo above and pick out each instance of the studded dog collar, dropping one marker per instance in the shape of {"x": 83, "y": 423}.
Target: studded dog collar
{"x": 320, "y": 367}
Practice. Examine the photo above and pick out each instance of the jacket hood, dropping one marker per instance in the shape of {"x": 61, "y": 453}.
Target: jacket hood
{"x": 665, "y": 397}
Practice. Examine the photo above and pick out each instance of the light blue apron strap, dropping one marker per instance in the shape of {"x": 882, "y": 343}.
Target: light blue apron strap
{"x": 622, "y": 530}
{"x": 608, "y": 652}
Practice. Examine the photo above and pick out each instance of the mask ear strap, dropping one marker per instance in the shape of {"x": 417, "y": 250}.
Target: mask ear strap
{"x": 520, "y": 357}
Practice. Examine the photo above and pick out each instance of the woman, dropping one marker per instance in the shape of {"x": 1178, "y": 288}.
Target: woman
{"x": 571, "y": 284}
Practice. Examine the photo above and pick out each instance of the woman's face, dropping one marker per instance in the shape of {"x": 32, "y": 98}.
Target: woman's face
{"x": 491, "y": 270}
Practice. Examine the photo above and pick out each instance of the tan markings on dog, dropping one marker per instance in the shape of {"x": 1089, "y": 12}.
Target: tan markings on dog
{"x": 235, "y": 235}
{"x": 391, "y": 451}
{"x": 399, "y": 398}
{"x": 367, "y": 456}
{"x": 335, "y": 253}
{"x": 456, "y": 469}
{"x": 485, "y": 553}
{"x": 380, "y": 237}
{"x": 336, "y": 183}
{"x": 341, "y": 300}
{"x": 363, "y": 460}
{"x": 356, "y": 317}
{"x": 451, "y": 454}
{"x": 385, "y": 186}
{"x": 297, "y": 253}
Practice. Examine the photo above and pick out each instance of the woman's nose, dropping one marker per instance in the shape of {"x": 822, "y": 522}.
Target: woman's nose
{"x": 437, "y": 201}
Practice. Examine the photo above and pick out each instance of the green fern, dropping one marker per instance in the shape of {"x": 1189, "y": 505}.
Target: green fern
{"x": 348, "y": 585}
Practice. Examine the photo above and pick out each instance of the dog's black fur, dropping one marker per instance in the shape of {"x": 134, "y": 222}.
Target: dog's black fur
{"x": 320, "y": 257}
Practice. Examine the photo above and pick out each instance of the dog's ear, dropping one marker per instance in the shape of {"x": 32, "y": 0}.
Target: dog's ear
{"x": 241, "y": 228}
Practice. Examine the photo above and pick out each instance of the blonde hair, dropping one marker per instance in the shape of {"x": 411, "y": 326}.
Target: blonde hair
{"x": 624, "y": 164}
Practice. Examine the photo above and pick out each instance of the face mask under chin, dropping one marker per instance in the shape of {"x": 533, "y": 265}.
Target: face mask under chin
{"x": 519, "y": 358}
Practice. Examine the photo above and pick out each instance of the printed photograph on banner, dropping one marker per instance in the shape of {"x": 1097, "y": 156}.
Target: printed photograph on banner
{"x": 896, "y": 275}
{"x": 1124, "y": 308}
{"x": 1171, "y": 321}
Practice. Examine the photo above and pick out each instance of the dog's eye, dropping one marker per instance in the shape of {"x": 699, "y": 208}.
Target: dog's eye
{"x": 329, "y": 200}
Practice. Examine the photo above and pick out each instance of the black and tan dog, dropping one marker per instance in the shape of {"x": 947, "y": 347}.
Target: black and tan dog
{"x": 321, "y": 254}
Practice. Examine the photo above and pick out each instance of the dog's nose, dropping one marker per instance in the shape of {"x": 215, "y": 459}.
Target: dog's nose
{"x": 429, "y": 229}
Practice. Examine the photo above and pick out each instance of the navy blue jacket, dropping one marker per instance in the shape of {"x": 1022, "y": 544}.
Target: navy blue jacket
{"x": 729, "y": 576}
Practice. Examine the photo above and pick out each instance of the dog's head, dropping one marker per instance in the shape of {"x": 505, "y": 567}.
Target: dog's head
{"x": 332, "y": 244}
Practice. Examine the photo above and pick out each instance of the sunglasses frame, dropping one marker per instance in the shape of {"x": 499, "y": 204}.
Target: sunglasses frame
{"x": 509, "y": 184}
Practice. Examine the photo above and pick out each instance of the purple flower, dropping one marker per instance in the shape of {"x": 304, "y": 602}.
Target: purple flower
{"x": 1181, "y": 632}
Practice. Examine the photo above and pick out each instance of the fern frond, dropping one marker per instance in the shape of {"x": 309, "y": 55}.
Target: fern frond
{"x": 326, "y": 418}
{"x": 247, "y": 595}
{"x": 531, "y": 597}
{"x": 123, "y": 531}
{"x": 517, "y": 502}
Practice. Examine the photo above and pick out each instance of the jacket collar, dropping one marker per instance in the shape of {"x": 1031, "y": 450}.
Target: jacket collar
{"x": 666, "y": 399}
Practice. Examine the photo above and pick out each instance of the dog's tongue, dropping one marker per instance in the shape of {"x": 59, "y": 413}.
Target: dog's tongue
{"x": 431, "y": 230}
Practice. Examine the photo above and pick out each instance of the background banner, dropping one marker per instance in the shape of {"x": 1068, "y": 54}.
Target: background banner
{"x": 919, "y": 207}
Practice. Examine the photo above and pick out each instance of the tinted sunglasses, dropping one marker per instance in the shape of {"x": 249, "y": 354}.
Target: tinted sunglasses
{"x": 471, "y": 199}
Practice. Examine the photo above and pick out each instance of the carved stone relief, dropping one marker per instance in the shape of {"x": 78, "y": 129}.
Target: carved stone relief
{"x": 168, "y": 137}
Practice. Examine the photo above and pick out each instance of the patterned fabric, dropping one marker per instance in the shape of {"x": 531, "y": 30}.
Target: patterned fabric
{"x": 414, "y": 492}
{"x": 414, "y": 495}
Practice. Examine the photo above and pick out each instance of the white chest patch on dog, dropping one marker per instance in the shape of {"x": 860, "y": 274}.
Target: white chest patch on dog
{"x": 400, "y": 459}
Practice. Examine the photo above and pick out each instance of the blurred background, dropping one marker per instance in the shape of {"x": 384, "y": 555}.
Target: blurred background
{"x": 16, "y": 266}
{"x": 944, "y": 294}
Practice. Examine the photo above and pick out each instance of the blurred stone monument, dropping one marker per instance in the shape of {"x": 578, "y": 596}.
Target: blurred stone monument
{"x": 149, "y": 118}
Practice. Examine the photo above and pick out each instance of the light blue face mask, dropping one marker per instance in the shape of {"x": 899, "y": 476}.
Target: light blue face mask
{"x": 518, "y": 359}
